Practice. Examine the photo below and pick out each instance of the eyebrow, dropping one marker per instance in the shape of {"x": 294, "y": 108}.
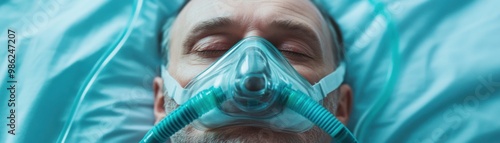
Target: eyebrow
{"x": 201, "y": 27}
{"x": 296, "y": 28}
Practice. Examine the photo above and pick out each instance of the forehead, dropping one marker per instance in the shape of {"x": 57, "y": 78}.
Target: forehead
{"x": 251, "y": 11}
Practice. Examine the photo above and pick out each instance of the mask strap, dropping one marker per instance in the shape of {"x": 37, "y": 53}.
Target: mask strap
{"x": 326, "y": 85}
{"x": 173, "y": 88}
{"x": 329, "y": 83}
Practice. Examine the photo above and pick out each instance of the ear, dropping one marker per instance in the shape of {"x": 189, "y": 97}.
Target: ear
{"x": 344, "y": 105}
{"x": 159, "y": 108}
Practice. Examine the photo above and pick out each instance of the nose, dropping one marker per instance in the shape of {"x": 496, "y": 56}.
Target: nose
{"x": 252, "y": 81}
{"x": 252, "y": 72}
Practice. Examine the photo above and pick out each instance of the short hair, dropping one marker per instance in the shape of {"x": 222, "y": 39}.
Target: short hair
{"x": 338, "y": 43}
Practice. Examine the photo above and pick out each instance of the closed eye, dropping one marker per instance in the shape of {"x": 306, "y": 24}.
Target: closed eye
{"x": 212, "y": 47}
{"x": 294, "y": 51}
{"x": 211, "y": 53}
{"x": 294, "y": 56}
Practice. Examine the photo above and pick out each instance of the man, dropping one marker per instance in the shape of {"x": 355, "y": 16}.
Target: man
{"x": 205, "y": 29}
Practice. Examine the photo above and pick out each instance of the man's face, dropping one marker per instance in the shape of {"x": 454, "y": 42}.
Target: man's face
{"x": 206, "y": 29}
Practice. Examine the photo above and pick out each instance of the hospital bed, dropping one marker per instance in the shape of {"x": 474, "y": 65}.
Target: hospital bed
{"x": 421, "y": 71}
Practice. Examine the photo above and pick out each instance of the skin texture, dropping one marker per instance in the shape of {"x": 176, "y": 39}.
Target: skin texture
{"x": 205, "y": 29}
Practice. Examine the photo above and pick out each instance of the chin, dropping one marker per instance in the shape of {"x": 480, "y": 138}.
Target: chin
{"x": 248, "y": 134}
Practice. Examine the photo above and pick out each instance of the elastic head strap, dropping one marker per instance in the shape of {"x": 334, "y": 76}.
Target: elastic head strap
{"x": 173, "y": 89}
{"x": 329, "y": 83}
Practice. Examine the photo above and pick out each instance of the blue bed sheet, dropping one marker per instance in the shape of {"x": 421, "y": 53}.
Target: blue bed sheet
{"x": 84, "y": 69}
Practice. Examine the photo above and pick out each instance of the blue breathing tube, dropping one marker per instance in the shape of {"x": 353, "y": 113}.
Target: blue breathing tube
{"x": 209, "y": 99}
{"x": 393, "y": 72}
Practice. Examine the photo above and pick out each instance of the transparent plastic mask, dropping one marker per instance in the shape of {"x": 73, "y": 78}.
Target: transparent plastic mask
{"x": 250, "y": 74}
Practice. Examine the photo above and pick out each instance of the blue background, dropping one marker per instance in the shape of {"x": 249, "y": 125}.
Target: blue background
{"x": 84, "y": 69}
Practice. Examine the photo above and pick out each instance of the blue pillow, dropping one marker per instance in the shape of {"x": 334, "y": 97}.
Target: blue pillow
{"x": 84, "y": 69}
{"x": 442, "y": 83}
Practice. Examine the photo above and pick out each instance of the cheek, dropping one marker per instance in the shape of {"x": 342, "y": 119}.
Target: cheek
{"x": 312, "y": 75}
{"x": 184, "y": 72}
